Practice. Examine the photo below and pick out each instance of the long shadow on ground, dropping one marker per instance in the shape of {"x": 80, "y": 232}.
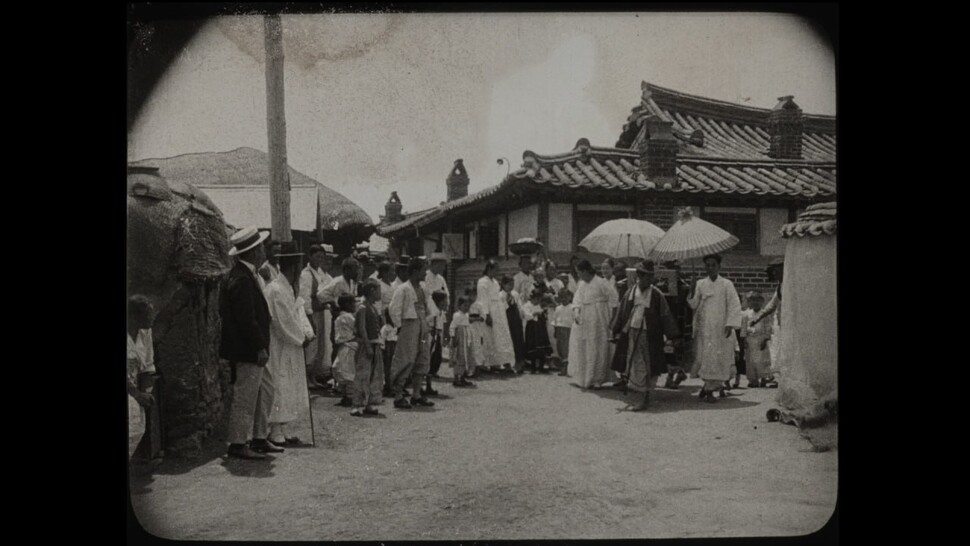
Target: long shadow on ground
{"x": 670, "y": 400}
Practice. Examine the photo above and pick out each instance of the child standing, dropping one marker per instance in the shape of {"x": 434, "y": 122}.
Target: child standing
{"x": 563, "y": 321}
{"x": 345, "y": 341}
{"x": 476, "y": 318}
{"x": 388, "y": 341}
{"x": 758, "y": 358}
{"x": 437, "y": 324}
{"x": 461, "y": 343}
{"x": 537, "y": 346}
{"x": 369, "y": 367}
{"x": 514, "y": 316}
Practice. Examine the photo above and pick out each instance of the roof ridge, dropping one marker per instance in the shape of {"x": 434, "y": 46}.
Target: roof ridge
{"x": 768, "y": 161}
{"x": 186, "y": 154}
{"x": 670, "y": 98}
{"x": 580, "y": 151}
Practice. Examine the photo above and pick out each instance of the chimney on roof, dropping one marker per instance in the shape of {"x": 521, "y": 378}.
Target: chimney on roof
{"x": 457, "y": 181}
{"x": 392, "y": 209}
{"x": 658, "y": 151}
{"x": 785, "y": 126}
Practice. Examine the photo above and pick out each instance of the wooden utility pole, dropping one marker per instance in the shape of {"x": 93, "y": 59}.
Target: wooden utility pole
{"x": 279, "y": 177}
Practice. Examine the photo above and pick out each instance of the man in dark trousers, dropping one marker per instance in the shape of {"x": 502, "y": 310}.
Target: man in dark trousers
{"x": 245, "y": 344}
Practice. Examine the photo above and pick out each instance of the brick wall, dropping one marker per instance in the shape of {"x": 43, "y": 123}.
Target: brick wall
{"x": 747, "y": 278}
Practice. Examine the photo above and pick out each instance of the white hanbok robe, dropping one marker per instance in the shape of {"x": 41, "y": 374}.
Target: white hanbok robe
{"x": 716, "y": 306}
{"x": 289, "y": 328}
{"x": 589, "y": 351}
{"x": 498, "y": 338}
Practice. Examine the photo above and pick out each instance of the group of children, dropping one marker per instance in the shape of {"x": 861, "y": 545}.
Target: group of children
{"x": 364, "y": 345}
{"x": 529, "y": 323}
{"x": 360, "y": 332}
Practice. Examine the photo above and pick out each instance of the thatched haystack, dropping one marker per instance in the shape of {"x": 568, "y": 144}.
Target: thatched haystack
{"x": 177, "y": 255}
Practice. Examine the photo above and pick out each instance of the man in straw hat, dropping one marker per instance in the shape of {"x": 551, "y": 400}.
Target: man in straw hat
{"x": 245, "y": 344}
{"x": 717, "y": 313}
{"x": 313, "y": 277}
{"x": 644, "y": 316}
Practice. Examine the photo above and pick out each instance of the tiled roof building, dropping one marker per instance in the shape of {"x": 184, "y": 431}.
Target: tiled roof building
{"x": 749, "y": 170}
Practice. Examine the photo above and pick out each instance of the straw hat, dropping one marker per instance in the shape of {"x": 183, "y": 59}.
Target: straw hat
{"x": 246, "y": 239}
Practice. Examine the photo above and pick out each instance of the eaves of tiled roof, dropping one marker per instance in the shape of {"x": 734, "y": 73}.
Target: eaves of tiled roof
{"x": 593, "y": 168}
{"x": 819, "y": 219}
{"x": 440, "y": 211}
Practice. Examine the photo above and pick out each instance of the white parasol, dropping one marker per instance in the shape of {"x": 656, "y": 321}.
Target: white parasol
{"x": 623, "y": 238}
{"x": 691, "y": 237}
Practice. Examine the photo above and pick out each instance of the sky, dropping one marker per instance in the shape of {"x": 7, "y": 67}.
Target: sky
{"x": 377, "y": 103}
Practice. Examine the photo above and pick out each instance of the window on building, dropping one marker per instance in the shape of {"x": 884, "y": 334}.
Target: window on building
{"x": 488, "y": 240}
{"x": 744, "y": 226}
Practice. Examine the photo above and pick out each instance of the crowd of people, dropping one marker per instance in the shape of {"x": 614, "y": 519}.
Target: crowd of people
{"x": 380, "y": 330}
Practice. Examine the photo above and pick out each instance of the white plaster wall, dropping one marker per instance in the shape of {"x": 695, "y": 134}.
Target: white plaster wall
{"x": 770, "y": 222}
{"x": 560, "y": 227}
{"x": 523, "y": 222}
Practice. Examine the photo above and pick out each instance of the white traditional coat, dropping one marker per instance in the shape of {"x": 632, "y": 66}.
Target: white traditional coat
{"x": 498, "y": 338}
{"x": 716, "y": 306}
{"x": 589, "y": 346}
{"x": 289, "y": 328}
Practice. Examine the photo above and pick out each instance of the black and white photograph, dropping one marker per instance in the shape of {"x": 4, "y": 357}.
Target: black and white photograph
{"x": 398, "y": 275}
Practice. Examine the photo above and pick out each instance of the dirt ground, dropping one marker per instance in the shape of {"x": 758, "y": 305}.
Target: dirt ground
{"x": 526, "y": 457}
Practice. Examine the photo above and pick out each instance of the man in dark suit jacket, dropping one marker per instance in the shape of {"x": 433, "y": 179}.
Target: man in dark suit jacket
{"x": 245, "y": 344}
{"x": 645, "y": 317}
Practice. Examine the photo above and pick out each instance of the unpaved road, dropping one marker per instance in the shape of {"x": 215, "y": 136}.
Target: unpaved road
{"x": 528, "y": 457}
